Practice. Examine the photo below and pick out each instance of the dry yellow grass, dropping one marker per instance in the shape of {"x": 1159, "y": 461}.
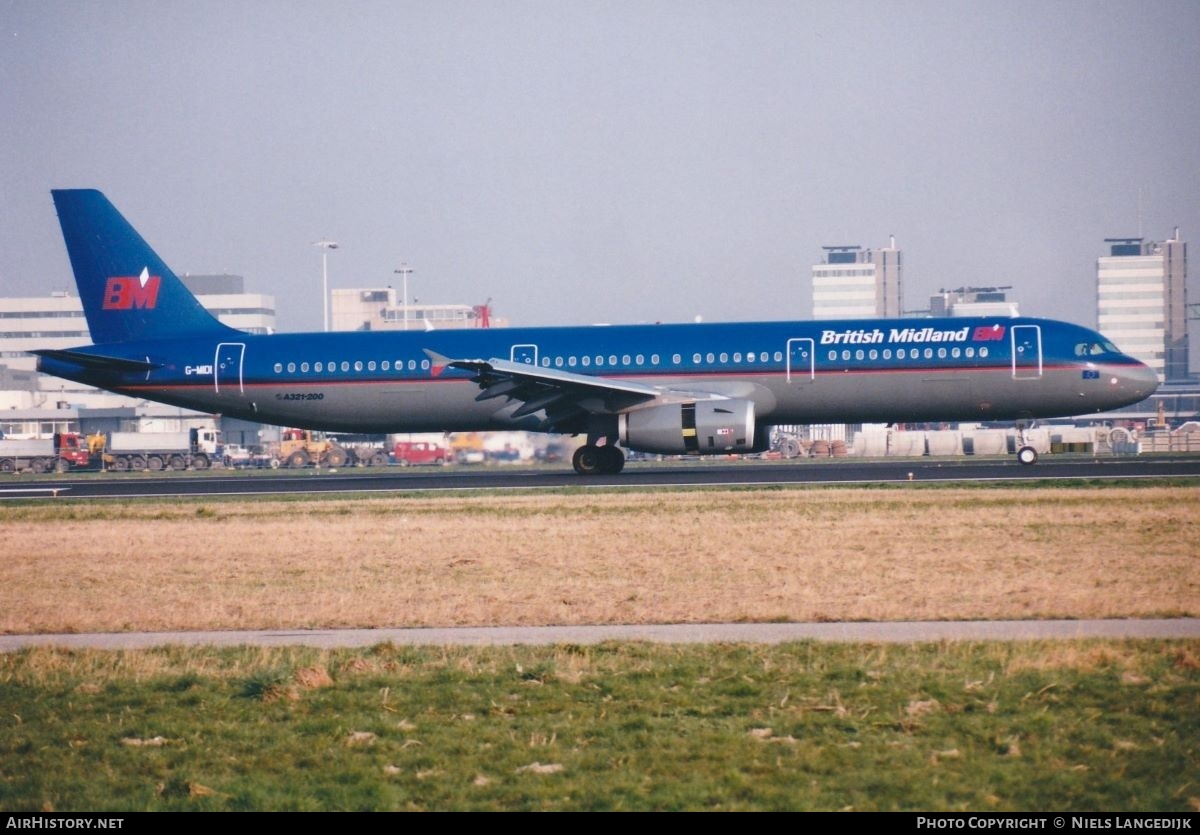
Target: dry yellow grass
{"x": 608, "y": 558}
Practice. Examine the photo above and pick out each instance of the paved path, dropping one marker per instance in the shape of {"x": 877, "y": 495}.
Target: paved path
{"x": 766, "y": 633}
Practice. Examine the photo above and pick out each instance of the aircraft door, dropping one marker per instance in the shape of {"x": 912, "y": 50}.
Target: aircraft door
{"x": 1026, "y": 352}
{"x": 227, "y": 367}
{"x": 527, "y": 354}
{"x": 801, "y": 359}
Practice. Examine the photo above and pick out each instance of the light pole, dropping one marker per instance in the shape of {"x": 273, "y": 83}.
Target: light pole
{"x": 404, "y": 272}
{"x": 325, "y": 245}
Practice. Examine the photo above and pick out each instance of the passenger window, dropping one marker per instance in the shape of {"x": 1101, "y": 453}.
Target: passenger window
{"x": 955, "y": 352}
{"x": 345, "y": 365}
{"x": 654, "y": 359}
{"x": 928, "y": 353}
{"x": 558, "y": 362}
{"x": 639, "y": 360}
{"x": 318, "y": 367}
{"x": 724, "y": 357}
{"x": 887, "y": 353}
{"x": 304, "y": 366}
{"x": 371, "y": 365}
{"x": 970, "y": 352}
{"x": 291, "y": 367}
{"x": 983, "y": 352}
{"x": 358, "y": 366}
{"x": 778, "y": 356}
{"x": 832, "y": 356}
{"x": 750, "y": 357}
{"x": 571, "y": 362}
{"x": 941, "y": 353}
{"x": 846, "y": 355}
{"x": 612, "y": 359}
{"x": 737, "y": 356}
{"x": 710, "y": 357}
{"x": 586, "y": 361}
{"x": 625, "y": 359}
{"x": 675, "y": 358}
{"x": 858, "y": 355}
{"x": 873, "y": 354}
{"x": 599, "y": 362}
{"x": 545, "y": 362}
{"x": 696, "y": 358}
{"x": 385, "y": 365}
{"x": 424, "y": 365}
{"x": 900, "y": 354}
{"x": 278, "y": 368}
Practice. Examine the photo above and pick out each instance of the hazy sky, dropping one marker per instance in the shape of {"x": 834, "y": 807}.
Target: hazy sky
{"x": 611, "y": 161}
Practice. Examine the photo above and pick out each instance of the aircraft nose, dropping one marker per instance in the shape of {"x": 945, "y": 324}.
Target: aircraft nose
{"x": 1139, "y": 380}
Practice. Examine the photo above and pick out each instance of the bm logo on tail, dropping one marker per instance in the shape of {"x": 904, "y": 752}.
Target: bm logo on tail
{"x": 129, "y": 292}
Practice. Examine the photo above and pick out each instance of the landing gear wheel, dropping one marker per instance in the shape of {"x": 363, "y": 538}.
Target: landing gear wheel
{"x": 588, "y": 460}
{"x": 1027, "y": 455}
{"x": 612, "y": 460}
{"x": 598, "y": 460}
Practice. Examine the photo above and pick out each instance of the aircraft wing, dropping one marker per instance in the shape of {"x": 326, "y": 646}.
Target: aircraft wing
{"x": 562, "y": 395}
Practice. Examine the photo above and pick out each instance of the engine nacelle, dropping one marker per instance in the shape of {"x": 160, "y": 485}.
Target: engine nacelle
{"x": 707, "y": 427}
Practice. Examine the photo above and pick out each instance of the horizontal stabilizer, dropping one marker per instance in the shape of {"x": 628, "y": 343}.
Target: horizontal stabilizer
{"x": 99, "y": 362}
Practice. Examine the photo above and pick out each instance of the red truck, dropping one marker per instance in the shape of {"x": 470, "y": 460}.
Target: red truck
{"x": 419, "y": 452}
{"x": 65, "y": 451}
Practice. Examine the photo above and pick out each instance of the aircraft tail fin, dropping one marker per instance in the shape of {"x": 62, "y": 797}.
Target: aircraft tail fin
{"x": 128, "y": 292}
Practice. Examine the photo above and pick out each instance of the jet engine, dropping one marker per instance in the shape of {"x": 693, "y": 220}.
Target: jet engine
{"x": 706, "y": 427}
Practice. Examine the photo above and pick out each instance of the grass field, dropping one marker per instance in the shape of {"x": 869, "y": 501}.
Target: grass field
{"x": 1073, "y": 725}
{"x": 1083, "y": 726}
{"x": 688, "y": 556}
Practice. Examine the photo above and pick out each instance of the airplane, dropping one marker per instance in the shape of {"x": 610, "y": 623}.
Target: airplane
{"x": 700, "y": 389}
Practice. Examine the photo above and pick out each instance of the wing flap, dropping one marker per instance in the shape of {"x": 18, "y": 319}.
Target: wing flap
{"x": 562, "y": 395}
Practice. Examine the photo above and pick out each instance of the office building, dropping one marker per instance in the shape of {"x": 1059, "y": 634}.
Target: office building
{"x": 855, "y": 283}
{"x": 973, "y": 301}
{"x": 381, "y": 310}
{"x": 1142, "y": 301}
{"x": 57, "y": 321}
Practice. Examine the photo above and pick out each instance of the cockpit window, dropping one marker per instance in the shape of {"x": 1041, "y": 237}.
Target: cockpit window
{"x": 1092, "y": 349}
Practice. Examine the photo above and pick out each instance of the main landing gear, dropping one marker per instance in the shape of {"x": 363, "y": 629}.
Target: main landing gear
{"x": 598, "y": 460}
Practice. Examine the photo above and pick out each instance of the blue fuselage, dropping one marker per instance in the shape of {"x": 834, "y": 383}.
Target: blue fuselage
{"x": 793, "y": 372}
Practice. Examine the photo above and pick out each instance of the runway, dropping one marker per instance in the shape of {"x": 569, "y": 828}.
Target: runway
{"x": 758, "y": 633}
{"x": 707, "y": 473}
